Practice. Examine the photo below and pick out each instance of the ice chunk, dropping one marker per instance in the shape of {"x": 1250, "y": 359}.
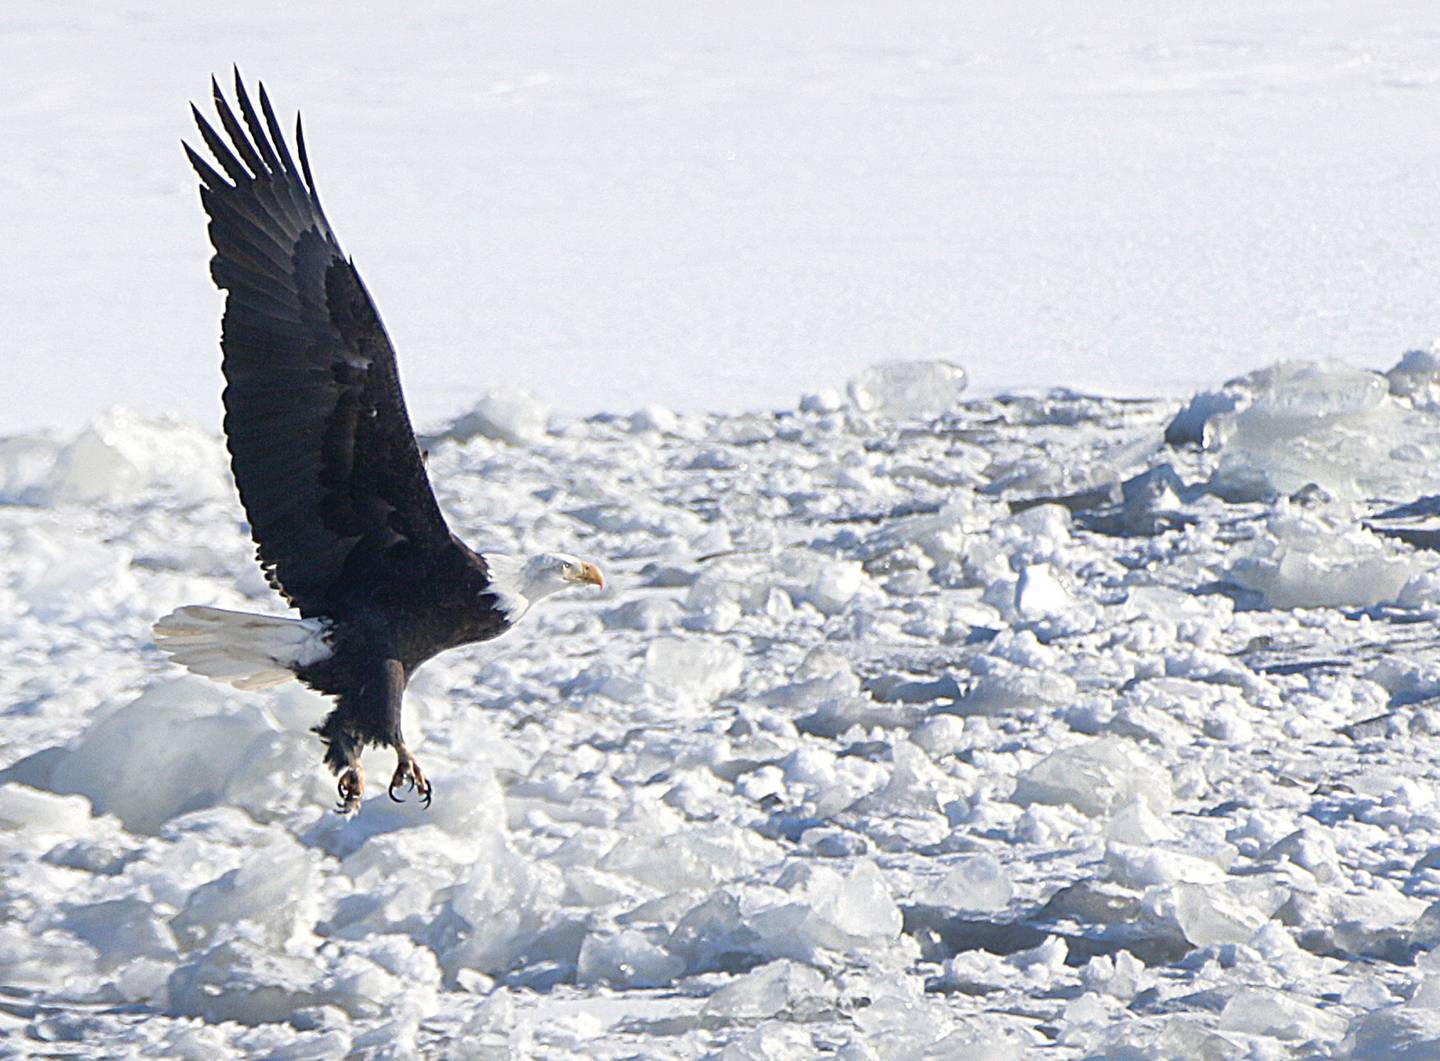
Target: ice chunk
{"x": 183, "y": 745}
{"x": 1262, "y": 1011}
{"x": 627, "y": 958}
{"x": 940, "y": 536}
{"x": 687, "y": 859}
{"x": 647, "y": 614}
{"x": 394, "y": 1039}
{"x": 22, "y": 807}
{"x": 732, "y": 584}
{"x": 1150, "y": 503}
{"x": 1394, "y": 1033}
{"x": 1209, "y": 915}
{"x": 1144, "y": 866}
{"x": 978, "y": 1044}
{"x": 915, "y": 786}
{"x": 1136, "y": 823}
{"x": 828, "y": 584}
{"x": 717, "y": 618}
{"x": 1309, "y": 560}
{"x": 39, "y": 959}
{"x": 940, "y": 736}
{"x": 1040, "y": 963}
{"x": 976, "y": 972}
{"x": 779, "y": 987}
{"x": 385, "y": 901}
{"x": 1171, "y": 1036}
{"x": 698, "y": 670}
{"x": 973, "y": 883}
{"x": 606, "y": 679}
{"x": 1416, "y": 377}
{"x": 715, "y": 458}
{"x": 1039, "y": 593}
{"x": 244, "y": 982}
{"x": 506, "y": 415}
{"x": 829, "y": 910}
{"x": 274, "y": 896}
{"x": 1096, "y": 778}
{"x": 1190, "y": 423}
{"x": 834, "y": 715}
{"x": 122, "y": 455}
{"x": 827, "y": 400}
{"x": 835, "y": 683}
{"x": 833, "y": 586}
{"x": 1310, "y": 848}
{"x": 1121, "y": 977}
{"x": 712, "y": 934}
{"x": 773, "y": 1041}
{"x": 26, "y": 462}
{"x": 492, "y": 1031}
{"x": 508, "y": 905}
{"x": 1327, "y": 424}
{"x": 654, "y": 418}
{"x": 1001, "y": 686}
{"x": 903, "y": 389}
{"x": 66, "y": 578}
{"x": 121, "y": 931}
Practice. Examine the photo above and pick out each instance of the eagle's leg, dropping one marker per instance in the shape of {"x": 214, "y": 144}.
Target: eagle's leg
{"x": 408, "y": 770}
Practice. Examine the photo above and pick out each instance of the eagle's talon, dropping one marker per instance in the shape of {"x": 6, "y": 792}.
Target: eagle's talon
{"x": 407, "y": 770}
{"x": 351, "y": 787}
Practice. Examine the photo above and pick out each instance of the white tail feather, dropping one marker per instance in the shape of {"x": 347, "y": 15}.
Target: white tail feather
{"x": 242, "y": 649}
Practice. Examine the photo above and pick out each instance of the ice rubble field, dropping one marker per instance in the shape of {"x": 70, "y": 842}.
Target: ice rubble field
{"x": 1002, "y": 730}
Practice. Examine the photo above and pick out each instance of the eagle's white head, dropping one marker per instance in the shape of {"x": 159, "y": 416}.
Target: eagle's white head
{"x": 518, "y": 583}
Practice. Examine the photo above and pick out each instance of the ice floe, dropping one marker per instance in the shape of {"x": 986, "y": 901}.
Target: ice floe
{"x": 965, "y": 727}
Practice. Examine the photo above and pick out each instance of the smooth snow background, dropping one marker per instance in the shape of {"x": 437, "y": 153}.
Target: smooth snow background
{"x": 723, "y": 207}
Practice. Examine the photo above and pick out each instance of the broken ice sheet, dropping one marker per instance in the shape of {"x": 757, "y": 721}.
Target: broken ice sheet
{"x": 623, "y": 795}
{"x": 973, "y": 883}
{"x": 904, "y": 389}
{"x": 1096, "y": 777}
{"x": 770, "y": 989}
{"x": 1329, "y": 424}
{"x": 506, "y": 415}
{"x": 1321, "y": 559}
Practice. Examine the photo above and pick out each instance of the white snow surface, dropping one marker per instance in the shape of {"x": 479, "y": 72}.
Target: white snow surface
{"x": 614, "y": 205}
{"x": 999, "y": 733}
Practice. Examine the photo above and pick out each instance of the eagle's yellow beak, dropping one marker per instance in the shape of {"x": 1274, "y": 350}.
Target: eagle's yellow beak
{"x": 591, "y": 574}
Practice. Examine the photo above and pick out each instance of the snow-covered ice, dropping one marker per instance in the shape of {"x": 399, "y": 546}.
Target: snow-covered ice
{"x": 942, "y": 758}
{"x": 613, "y": 206}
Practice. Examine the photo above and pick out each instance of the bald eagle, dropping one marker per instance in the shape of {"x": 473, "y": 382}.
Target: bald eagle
{"x": 346, "y": 525}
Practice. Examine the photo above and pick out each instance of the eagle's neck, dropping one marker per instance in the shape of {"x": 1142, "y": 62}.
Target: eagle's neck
{"x": 516, "y": 583}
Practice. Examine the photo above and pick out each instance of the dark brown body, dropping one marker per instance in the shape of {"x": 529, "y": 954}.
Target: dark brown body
{"x": 385, "y": 633}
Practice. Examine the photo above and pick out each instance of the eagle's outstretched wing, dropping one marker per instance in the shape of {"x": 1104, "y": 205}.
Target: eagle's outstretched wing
{"x": 320, "y": 442}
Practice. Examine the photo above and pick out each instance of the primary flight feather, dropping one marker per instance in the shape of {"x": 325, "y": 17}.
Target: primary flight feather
{"x": 346, "y": 525}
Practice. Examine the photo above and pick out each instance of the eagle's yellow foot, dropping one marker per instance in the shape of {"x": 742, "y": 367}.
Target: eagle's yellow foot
{"x": 352, "y": 790}
{"x": 408, "y": 770}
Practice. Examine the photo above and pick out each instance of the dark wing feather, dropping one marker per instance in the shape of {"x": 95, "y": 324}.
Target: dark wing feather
{"x": 320, "y": 442}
